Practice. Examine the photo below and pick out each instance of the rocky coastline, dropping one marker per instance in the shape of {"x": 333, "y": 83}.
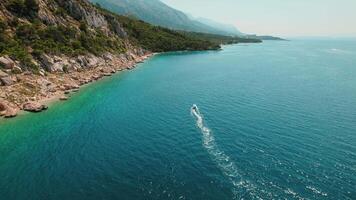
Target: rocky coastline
{"x": 31, "y": 92}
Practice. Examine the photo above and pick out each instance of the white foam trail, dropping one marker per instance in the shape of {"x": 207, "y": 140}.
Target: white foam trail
{"x": 242, "y": 188}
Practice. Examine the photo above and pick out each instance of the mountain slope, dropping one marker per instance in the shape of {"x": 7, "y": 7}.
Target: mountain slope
{"x": 229, "y": 29}
{"x": 76, "y": 27}
{"x": 49, "y": 48}
{"x": 158, "y": 13}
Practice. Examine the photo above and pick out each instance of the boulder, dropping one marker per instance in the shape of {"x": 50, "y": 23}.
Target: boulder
{"x": 108, "y": 57}
{"x": 3, "y": 74}
{"x": 53, "y": 64}
{"x": 81, "y": 11}
{"x": 34, "y": 107}
{"x": 10, "y": 113}
{"x": 63, "y": 98}
{"x": 70, "y": 86}
{"x": 93, "y": 61}
{"x": 3, "y": 108}
{"x": 83, "y": 62}
{"x": 7, "y": 111}
{"x": 7, "y": 62}
{"x": 58, "y": 67}
{"x": 6, "y": 81}
{"x": 42, "y": 72}
{"x": 47, "y": 62}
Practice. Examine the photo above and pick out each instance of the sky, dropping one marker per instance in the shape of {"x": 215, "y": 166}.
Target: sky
{"x": 335, "y": 18}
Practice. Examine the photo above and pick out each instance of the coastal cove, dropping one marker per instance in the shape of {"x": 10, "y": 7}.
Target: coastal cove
{"x": 273, "y": 120}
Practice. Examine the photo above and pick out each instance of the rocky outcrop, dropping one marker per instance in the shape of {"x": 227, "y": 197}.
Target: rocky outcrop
{"x": 116, "y": 26}
{"x": 7, "y": 111}
{"x": 45, "y": 14}
{"x": 3, "y": 108}
{"x": 11, "y": 112}
{"x": 70, "y": 86}
{"x": 6, "y": 81}
{"x": 3, "y": 74}
{"x": 63, "y": 98}
{"x": 54, "y": 63}
{"x": 6, "y": 62}
{"x": 85, "y": 12}
{"x": 34, "y": 107}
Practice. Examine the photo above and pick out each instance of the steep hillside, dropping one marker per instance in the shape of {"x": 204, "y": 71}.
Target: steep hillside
{"x": 75, "y": 27}
{"x": 158, "y": 13}
{"x": 229, "y": 29}
{"x": 51, "y": 47}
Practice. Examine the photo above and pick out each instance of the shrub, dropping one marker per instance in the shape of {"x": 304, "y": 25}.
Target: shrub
{"x": 3, "y": 27}
{"x": 31, "y": 6}
{"x": 24, "y": 8}
{"x": 17, "y": 6}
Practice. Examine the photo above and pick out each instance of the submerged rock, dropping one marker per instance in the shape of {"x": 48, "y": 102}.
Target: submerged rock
{"x": 63, "y": 98}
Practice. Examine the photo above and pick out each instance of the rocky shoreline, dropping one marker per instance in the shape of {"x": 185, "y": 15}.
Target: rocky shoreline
{"x": 30, "y": 92}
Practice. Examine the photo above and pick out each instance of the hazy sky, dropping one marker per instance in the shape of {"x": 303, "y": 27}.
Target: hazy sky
{"x": 278, "y": 17}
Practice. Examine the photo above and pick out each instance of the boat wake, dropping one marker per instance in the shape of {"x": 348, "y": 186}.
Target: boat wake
{"x": 242, "y": 188}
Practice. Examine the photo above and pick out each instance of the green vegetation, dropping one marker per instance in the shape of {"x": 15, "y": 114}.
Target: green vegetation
{"x": 160, "y": 39}
{"x": 24, "y": 37}
{"x": 23, "y": 8}
{"x": 156, "y": 38}
{"x": 14, "y": 48}
{"x": 54, "y": 40}
{"x": 221, "y": 39}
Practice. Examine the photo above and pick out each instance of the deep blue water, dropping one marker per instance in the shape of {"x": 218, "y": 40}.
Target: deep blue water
{"x": 276, "y": 121}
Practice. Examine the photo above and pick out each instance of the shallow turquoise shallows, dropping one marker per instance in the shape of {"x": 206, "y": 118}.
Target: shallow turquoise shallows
{"x": 273, "y": 121}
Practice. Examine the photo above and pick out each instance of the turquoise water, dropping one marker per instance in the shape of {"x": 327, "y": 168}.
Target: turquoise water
{"x": 274, "y": 121}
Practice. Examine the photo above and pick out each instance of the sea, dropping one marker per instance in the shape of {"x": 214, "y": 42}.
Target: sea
{"x": 275, "y": 120}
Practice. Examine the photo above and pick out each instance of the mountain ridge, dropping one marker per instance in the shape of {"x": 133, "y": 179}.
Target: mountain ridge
{"x": 158, "y": 13}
